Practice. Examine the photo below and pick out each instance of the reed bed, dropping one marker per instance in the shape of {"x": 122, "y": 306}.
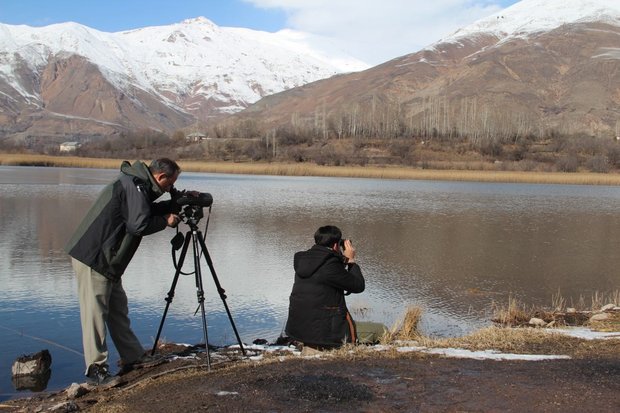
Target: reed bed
{"x": 308, "y": 169}
{"x": 58, "y": 161}
{"x": 562, "y": 311}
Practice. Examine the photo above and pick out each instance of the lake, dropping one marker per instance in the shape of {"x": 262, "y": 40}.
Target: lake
{"x": 451, "y": 248}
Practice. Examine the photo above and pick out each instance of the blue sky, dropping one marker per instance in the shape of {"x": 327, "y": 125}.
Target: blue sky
{"x": 373, "y": 31}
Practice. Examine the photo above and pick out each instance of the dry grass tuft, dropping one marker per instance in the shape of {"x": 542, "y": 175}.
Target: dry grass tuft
{"x": 514, "y": 314}
{"x": 405, "y": 329}
{"x": 610, "y": 325}
{"x": 499, "y": 338}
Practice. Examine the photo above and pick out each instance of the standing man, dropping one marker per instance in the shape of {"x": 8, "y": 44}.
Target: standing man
{"x": 318, "y": 314}
{"x": 102, "y": 247}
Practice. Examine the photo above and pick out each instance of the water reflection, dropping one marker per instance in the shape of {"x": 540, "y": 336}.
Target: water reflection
{"x": 452, "y": 248}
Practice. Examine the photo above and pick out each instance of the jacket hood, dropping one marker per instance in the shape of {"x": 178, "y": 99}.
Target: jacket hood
{"x": 306, "y": 263}
{"x": 142, "y": 172}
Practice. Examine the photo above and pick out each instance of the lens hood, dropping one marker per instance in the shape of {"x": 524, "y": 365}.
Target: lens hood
{"x": 204, "y": 199}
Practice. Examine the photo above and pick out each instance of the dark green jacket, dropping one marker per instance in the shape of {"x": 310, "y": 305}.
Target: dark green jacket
{"x": 109, "y": 235}
{"x": 317, "y": 308}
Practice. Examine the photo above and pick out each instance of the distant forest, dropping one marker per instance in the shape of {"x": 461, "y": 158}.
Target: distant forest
{"x": 429, "y": 148}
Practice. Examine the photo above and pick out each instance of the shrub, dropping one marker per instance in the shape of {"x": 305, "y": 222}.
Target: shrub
{"x": 598, "y": 163}
{"x": 567, "y": 163}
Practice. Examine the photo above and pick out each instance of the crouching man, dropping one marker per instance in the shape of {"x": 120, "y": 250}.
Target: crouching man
{"x": 318, "y": 316}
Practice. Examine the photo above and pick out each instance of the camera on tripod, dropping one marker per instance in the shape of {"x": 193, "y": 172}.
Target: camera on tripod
{"x": 192, "y": 204}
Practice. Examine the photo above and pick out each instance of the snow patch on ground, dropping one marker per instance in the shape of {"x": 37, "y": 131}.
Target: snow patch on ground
{"x": 586, "y": 333}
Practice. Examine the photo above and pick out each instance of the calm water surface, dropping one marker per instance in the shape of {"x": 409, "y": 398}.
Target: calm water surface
{"x": 451, "y": 248}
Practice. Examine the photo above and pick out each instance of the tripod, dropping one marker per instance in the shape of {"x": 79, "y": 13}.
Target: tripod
{"x": 193, "y": 214}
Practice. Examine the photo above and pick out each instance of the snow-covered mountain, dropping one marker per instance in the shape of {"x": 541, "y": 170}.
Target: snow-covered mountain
{"x": 529, "y": 17}
{"x": 193, "y": 69}
{"x": 537, "y": 67}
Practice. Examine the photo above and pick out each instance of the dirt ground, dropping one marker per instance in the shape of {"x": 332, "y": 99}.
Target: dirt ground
{"x": 370, "y": 382}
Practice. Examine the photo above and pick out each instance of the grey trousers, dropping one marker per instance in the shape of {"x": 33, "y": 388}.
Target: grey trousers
{"x": 103, "y": 306}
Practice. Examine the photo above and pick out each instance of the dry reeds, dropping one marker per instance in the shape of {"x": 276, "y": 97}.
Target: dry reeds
{"x": 59, "y": 161}
{"x": 513, "y": 314}
{"x": 310, "y": 169}
{"x": 406, "y": 328}
{"x": 597, "y": 300}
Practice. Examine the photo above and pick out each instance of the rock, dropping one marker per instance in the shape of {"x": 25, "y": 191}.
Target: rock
{"x": 63, "y": 407}
{"x": 33, "y": 364}
{"x": 571, "y": 310}
{"x": 538, "y": 322}
{"x": 608, "y": 307}
{"x": 76, "y": 390}
{"x": 600, "y": 317}
{"x": 32, "y": 372}
{"x": 309, "y": 351}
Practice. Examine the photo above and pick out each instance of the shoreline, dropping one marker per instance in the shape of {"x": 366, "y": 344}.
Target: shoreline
{"x": 306, "y": 169}
{"x": 359, "y": 378}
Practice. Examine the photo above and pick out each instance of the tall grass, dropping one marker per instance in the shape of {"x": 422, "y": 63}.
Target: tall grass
{"x": 309, "y": 169}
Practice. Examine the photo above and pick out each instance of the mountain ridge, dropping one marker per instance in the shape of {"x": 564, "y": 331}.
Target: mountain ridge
{"x": 189, "y": 70}
{"x": 491, "y": 83}
{"x": 536, "y": 67}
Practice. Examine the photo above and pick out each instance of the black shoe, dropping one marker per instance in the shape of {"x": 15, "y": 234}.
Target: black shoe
{"x": 98, "y": 375}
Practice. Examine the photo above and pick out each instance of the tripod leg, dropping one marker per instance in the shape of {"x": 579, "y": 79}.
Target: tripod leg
{"x": 220, "y": 290}
{"x": 201, "y": 295}
{"x": 170, "y": 295}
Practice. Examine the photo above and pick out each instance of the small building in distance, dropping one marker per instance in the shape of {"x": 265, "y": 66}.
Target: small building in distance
{"x": 69, "y": 146}
{"x": 195, "y": 137}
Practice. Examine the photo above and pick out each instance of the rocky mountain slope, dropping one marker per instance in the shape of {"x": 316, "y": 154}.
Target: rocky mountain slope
{"x": 69, "y": 80}
{"x": 538, "y": 67}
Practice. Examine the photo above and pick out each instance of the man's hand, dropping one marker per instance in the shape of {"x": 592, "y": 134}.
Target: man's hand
{"x": 349, "y": 251}
{"x": 172, "y": 220}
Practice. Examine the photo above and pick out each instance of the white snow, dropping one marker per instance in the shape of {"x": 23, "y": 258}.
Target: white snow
{"x": 585, "y": 333}
{"x": 532, "y": 16}
{"x": 236, "y": 66}
{"x": 226, "y": 393}
{"x": 481, "y": 355}
{"x": 190, "y": 58}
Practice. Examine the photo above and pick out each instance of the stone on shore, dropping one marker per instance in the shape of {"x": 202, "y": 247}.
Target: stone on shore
{"x": 32, "y": 365}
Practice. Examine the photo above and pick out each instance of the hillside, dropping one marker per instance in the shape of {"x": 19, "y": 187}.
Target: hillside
{"x": 71, "y": 82}
{"x": 535, "y": 69}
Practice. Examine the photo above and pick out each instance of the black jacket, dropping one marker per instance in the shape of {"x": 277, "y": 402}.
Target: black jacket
{"x": 110, "y": 234}
{"x": 317, "y": 308}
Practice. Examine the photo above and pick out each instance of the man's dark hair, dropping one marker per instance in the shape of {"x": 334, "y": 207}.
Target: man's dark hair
{"x": 327, "y": 236}
{"x": 164, "y": 165}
